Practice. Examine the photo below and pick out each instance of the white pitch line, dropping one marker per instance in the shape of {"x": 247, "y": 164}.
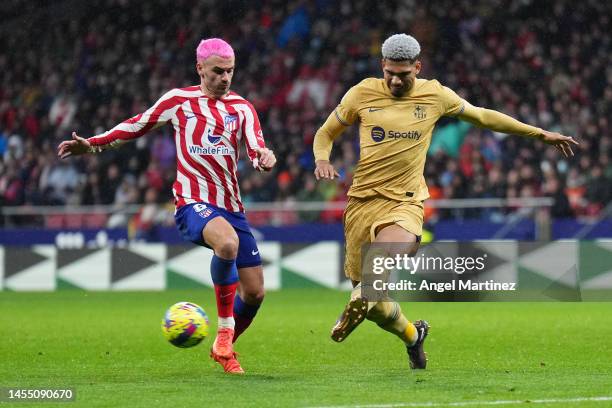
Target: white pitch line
{"x": 468, "y": 403}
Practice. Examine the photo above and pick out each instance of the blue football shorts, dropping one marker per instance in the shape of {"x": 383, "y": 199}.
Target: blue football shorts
{"x": 192, "y": 218}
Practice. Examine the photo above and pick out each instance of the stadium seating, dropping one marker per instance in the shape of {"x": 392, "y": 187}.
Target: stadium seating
{"x": 72, "y": 68}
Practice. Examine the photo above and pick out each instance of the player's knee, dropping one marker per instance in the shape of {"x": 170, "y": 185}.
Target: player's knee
{"x": 254, "y": 296}
{"x": 413, "y": 248}
{"x": 227, "y": 248}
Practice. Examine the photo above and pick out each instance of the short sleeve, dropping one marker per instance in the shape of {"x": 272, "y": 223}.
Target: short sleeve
{"x": 346, "y": 111}
{"x": 451, "y": 104}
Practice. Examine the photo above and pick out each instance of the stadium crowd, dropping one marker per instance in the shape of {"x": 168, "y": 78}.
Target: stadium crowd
{"x": 86, "y": 66}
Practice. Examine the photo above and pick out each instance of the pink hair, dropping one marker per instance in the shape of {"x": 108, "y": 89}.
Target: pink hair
{"x": 213, "y": 46}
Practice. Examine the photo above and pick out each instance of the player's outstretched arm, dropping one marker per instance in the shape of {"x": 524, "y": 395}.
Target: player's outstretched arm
{"x": 500, "y": 122}
{"x": 74, "y": 147}
{"x": 157, "y": 115}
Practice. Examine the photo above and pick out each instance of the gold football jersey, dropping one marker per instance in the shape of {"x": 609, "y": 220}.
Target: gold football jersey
{"x": 395, "y": 134}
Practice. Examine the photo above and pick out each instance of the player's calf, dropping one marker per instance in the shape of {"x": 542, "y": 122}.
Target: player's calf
{"x": 245, "y": 311}
{"x": 225, "y": 279}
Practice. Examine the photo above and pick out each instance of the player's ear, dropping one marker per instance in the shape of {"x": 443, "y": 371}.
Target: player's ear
{"x": 200, "y": 68}
{"x": 417, "y": 67}
{"x": 382, "y": 64}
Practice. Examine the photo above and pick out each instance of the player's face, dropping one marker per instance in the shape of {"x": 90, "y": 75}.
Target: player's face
{"x": 400, "y": 75}
{"x": 216, "y": 74}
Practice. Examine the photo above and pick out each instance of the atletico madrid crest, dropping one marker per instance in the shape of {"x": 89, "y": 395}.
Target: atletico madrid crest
{"x": 231, "y": 123}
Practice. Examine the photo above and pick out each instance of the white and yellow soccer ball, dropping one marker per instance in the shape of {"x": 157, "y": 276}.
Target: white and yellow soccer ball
{"x": 185, "y": 324}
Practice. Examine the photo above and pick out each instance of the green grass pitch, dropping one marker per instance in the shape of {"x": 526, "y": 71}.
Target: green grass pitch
{"x": 109, "y": 347}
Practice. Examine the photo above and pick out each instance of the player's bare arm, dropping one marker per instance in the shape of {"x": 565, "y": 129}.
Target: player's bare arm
{"x": 74, "y": 147}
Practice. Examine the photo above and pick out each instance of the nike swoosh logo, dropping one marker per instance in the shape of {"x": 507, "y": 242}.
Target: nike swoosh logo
{"x": 189, "y": 117}
{"x": 374, "y": 109}
{"x": 254, "y": 252}
{"x": 226, "y": 295}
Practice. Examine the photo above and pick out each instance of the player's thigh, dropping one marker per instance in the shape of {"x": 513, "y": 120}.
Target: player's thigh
{"x": 397, "y": 240}
{"x": 219, "y": 234}
{"x": 357, "y": 223}
{"x": 400, "y": 228}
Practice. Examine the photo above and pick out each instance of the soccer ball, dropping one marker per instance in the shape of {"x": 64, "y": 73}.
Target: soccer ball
{"x": 185, "y": 324}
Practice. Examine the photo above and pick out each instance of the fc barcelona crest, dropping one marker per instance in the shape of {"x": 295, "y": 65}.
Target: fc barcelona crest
{"x": 420, "y": 112}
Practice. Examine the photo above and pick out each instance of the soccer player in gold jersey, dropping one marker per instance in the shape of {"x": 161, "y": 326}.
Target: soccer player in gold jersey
{"x": 396, "y": 118}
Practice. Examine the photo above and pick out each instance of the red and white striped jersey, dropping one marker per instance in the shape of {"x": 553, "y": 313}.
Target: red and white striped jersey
{"x": 207, "y": 133}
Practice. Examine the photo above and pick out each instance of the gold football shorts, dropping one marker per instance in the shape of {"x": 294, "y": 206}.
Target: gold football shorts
{"x": 362, "y": 218}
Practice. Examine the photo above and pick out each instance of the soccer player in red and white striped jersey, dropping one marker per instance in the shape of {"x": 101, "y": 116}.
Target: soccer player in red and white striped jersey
{"x": 209, "y": 122}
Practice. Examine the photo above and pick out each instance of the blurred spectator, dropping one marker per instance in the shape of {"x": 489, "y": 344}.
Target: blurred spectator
{"x": 62, "y": 112}
{"x": 143, "y": 224}
{"x": 561, "y": 207}
{"x": 309, "y": 193}
{"x": 109, "y": 184}
{"x": 58, "y": 181}
{"x": 598, "y": 190}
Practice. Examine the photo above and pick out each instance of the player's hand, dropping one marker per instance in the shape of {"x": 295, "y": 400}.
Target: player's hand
{"x": 563, "y": 143}
{"x": 325, "y": 170}
{"x": 74, "y": 147}
{"x": 265, "y": 159}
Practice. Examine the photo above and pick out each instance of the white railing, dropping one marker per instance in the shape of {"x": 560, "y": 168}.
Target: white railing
{"x": 455, "y": 203}
{"x": 275, "y": 213}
